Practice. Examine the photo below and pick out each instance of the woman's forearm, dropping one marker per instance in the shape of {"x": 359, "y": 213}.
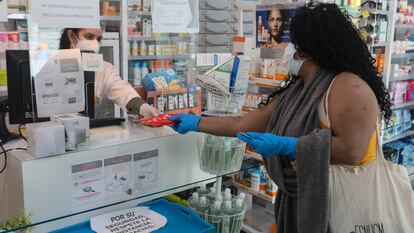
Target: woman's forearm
{"x": 220, "y": 126}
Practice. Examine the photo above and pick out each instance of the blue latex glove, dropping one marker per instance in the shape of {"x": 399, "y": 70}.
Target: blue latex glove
{"x": 185, "y": 123}
{"x": 268, "y": 144}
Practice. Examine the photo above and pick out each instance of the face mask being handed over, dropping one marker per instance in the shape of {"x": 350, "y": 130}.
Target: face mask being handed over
{"x": 293, "y": 65}
{"x": 88, "y": 45}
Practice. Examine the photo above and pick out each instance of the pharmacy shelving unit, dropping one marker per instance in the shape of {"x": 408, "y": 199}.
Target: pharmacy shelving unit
{"x": 183, "y": 45}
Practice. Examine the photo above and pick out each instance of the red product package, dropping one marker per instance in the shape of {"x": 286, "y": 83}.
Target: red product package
{"x": 159, "y": 121}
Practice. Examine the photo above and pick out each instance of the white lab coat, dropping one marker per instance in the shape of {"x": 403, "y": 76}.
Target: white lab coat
{"x": 109, "y": 89}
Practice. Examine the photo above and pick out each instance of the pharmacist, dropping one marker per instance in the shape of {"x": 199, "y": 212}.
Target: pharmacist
{"x": 109, "y": 87}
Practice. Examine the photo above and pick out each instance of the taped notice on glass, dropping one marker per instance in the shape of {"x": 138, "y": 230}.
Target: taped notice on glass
{"x": 66, "y": 14}
{"x": 175, "y": 16}
{"x": 138, "y": 219}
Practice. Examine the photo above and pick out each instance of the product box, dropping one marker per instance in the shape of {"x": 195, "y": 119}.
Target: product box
{"x": 45, "y": 139}
{"x": 72, "y": 120}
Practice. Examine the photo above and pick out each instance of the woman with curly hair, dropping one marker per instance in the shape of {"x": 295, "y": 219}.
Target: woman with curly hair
{"x": 326, "y": 114}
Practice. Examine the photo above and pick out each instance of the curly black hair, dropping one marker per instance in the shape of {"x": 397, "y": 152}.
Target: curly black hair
{"x": 328, "y": 37}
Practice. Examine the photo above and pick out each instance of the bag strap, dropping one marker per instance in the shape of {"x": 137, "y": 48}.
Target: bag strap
{"x": 379, "y": 153}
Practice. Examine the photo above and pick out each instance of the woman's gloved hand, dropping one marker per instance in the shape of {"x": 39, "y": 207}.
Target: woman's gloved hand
{"x": 185, "y": 123}
{"x": 147, "y": 110}
{"x": 268, "y": 144}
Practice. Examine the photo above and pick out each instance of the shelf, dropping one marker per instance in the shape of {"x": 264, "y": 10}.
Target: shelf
{"x": 379, "y": 12}
{"x": 153, "y": 38}
{"x": 249, "y": 229}
{"x": 159, "y": 57}
{"x": 22, "y": 16}
{"x": 401, "y": 136}
{"x": 250, "y": 191}
{"x": 403, "y": 55}
{"x": 379, "y": 44}
{"x": 402, "y": 78}
{"x": 139, "y": 13}
{"x": 264, "y": 82}
{"x": 111, "y": 18}
{"x": 404, "y": 105}
{"x": 404, "y": 26}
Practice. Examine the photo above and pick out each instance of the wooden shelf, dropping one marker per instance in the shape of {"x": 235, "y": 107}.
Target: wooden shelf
{"x": 401, "y": 136}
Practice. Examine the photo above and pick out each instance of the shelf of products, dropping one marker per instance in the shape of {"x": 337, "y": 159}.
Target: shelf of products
{"x": 403, "y": 55}
{"x": 159, "y": 57}
{"x": 404, "y": 26}
{"x": 139, "y": 13}
{"x": 249, "y": 190}
{"x": 155, "y": 38}
{"x": 403, "y": 105}
{"x": 264, "y": 82}
{"x": 403, "y": 135}
{"x": 111, "y": 18}
{"x": 402, "y": 78}
{"x": 20, "y": 16}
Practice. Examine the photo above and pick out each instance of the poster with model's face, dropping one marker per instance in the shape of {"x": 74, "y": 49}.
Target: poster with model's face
{"x": 272, "y": 24}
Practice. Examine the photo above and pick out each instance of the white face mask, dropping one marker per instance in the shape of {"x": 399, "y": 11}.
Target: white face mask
{"x": 293, "y": 65}
{"x": 88, "y": 45}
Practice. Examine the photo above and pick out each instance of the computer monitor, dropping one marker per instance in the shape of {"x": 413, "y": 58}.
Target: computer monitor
{"x": 19, "y": 87}
{"x": 21, "y": 91}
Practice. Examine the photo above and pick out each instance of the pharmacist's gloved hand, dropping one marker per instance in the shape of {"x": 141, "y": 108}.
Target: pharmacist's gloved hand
{"x": 268, "y": 144}
{"x": 185, "y": 123}
{"x": 147, "y": 110}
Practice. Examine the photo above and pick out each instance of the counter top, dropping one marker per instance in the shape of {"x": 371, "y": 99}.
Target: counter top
{"x": 104, "y": 137}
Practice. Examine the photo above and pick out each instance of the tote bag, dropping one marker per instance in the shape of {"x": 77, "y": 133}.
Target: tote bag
{"x": 372, "y": 198}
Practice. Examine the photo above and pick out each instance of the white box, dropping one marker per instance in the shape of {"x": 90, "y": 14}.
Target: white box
{"x": 72, "y": 120}
{"x": 45, "y": 139}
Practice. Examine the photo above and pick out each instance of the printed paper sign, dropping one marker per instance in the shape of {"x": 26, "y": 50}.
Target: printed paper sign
{"x": 92, "y": 62}
{"x": 59, "y": 84}
{"x": 66, "y": 14}
{"x": 87, "y": 182}
{"x": 118, "y": 182}
{"x": 3, "y": 11}
{"x": 145, "y": 170}
{"x": 175, "y": 16}
{"x": 138, "y": 219}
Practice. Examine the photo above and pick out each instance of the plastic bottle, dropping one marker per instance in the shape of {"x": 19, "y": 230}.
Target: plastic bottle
{"x": 203, "y": 207}
{"x": 260, "y": 29}
{"x": 227, "y": 196}
{"x": 194, "y": 201}
{"x": 202, "y": 190}
{"x": 143, "y": 49}
{"x": 255, "y": 180}
{"x": 144, "y": 69}
{"x": 137, "y": 74}
{"x": 228, "y": 212}
{"x": 212, "y": 194}
{"x": 135, "y": 48}
{"x": 216, "y": 213}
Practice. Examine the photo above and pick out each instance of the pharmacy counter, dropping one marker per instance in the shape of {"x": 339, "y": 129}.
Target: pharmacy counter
{"x": 119, "y": 168}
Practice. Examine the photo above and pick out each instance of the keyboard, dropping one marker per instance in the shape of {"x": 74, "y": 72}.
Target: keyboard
{"x": 100, "y": 122}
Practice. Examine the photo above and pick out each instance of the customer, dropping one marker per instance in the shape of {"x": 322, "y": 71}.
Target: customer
{"x": 108, "y": 85}
{"x": 286, "y": 130}
{"x": 276, "y": 26}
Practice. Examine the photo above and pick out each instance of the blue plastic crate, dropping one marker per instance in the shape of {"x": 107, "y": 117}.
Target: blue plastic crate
{"x": 179, "y": 219}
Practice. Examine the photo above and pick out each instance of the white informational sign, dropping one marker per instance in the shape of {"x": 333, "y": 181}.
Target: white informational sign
{"x": 175, "y": 16}
{"x": 145, "y": 170}
{"x": 87, "y": 183}
{"x": 59, "y": 84}
{"x": 3, "y": 11}
{"x": 66, "y": 14}
{"x": 138, "y": 219}
{"x": 117, "y": 175}
{"x": 92, "y": 62}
